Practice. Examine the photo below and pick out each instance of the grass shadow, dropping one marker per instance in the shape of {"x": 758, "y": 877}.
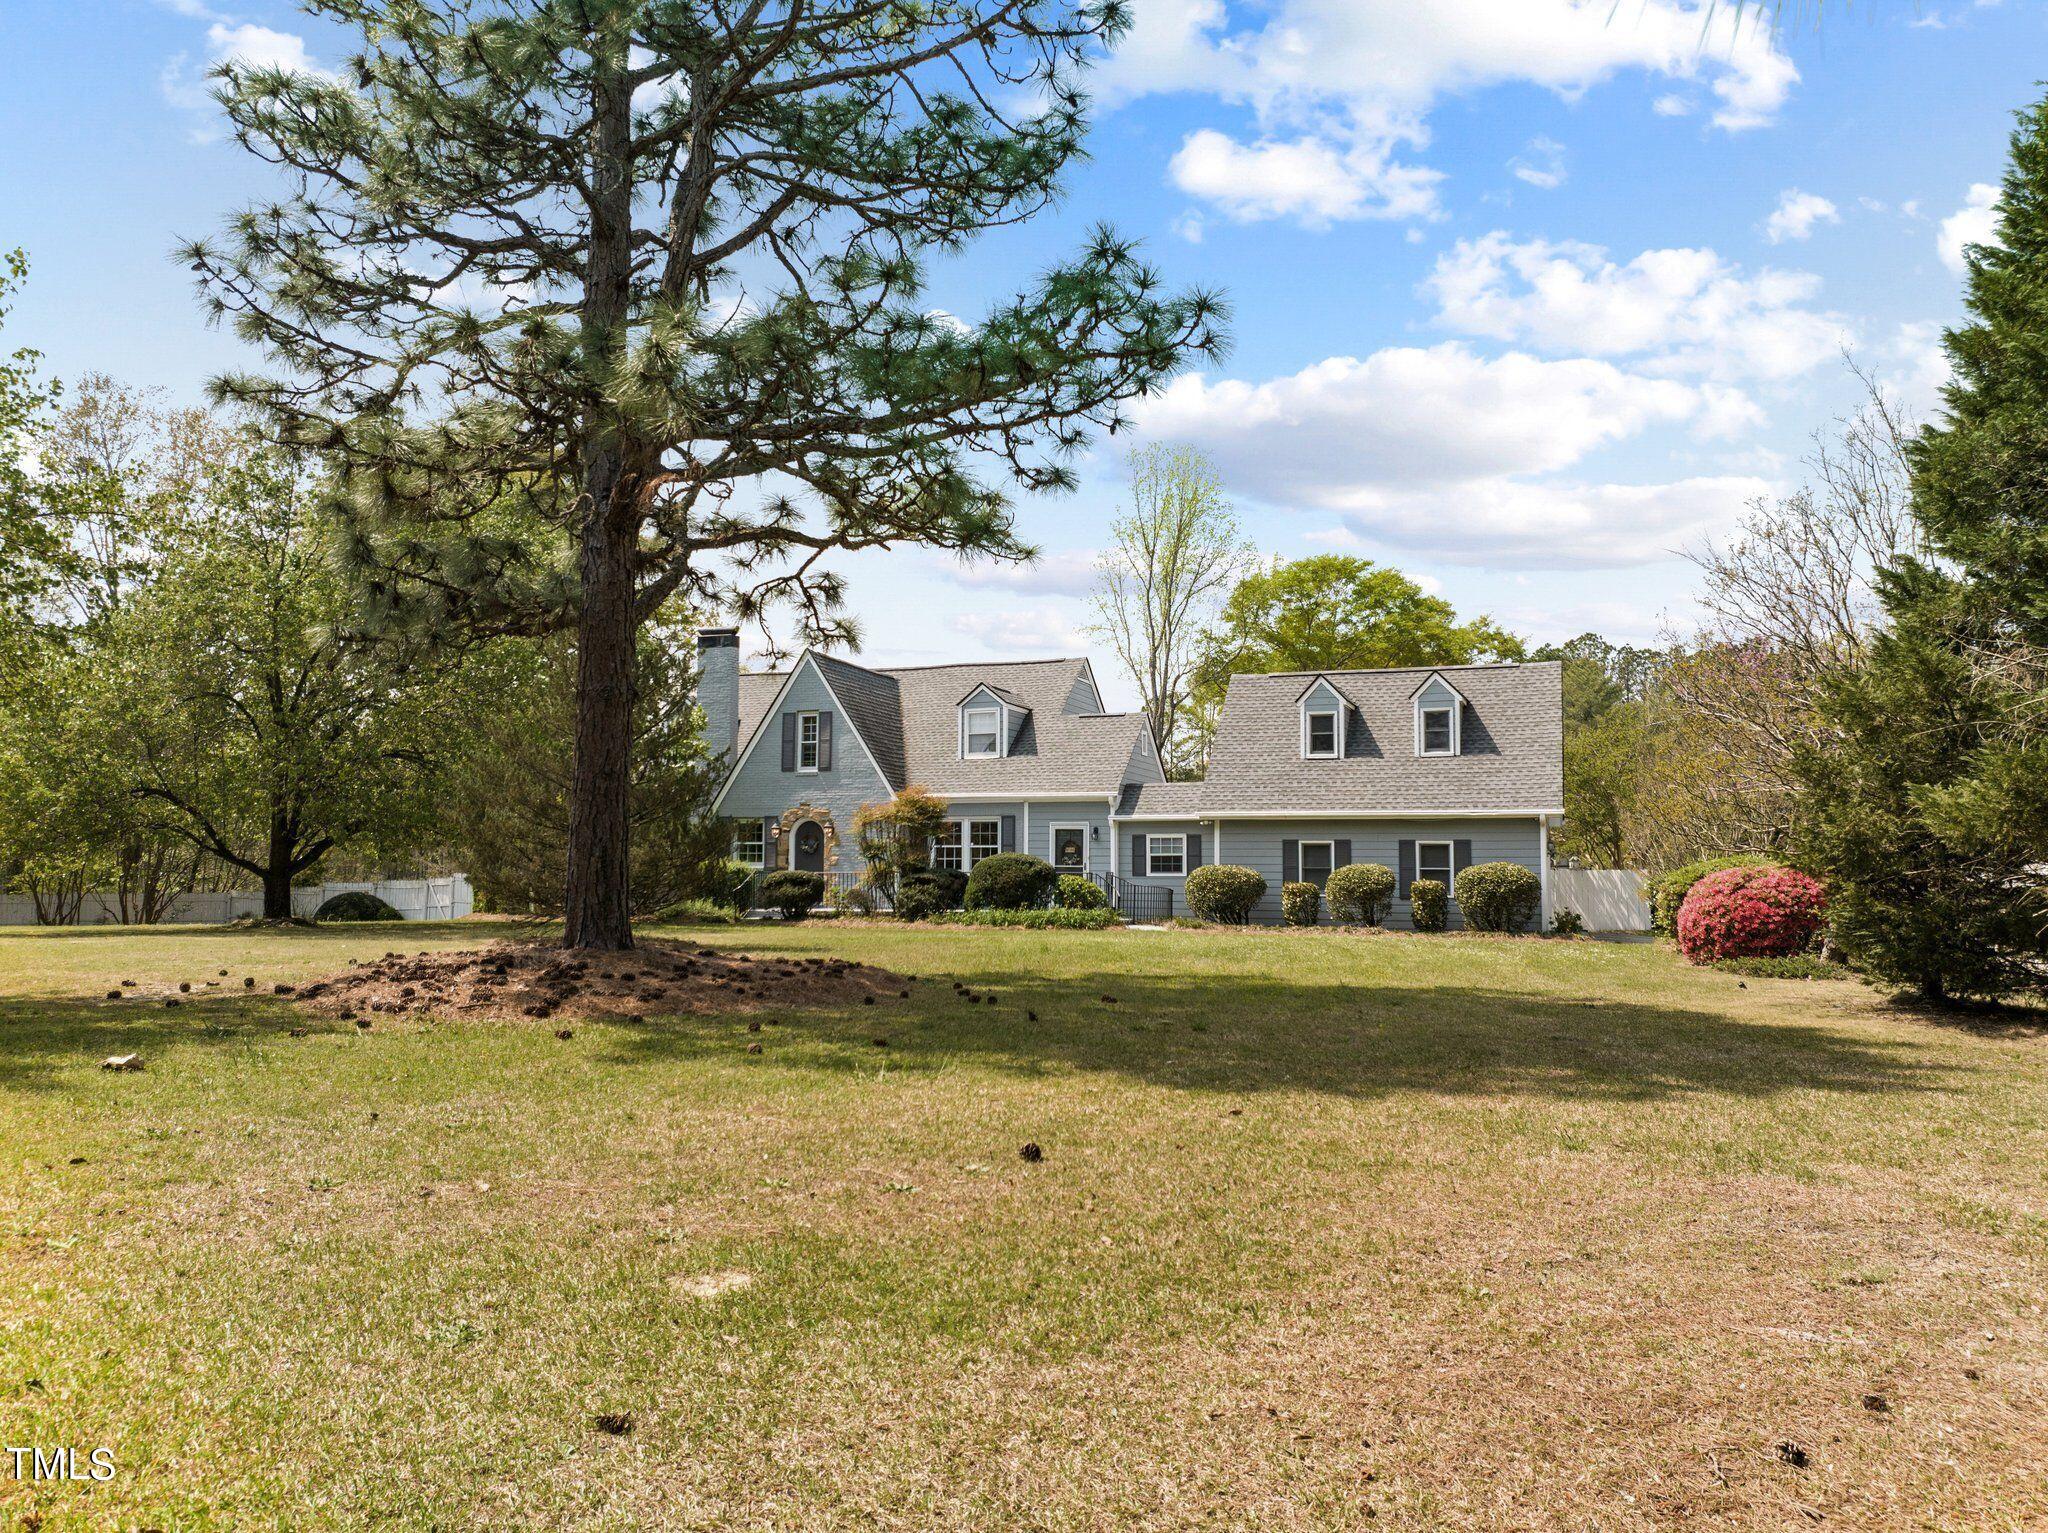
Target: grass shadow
{"x": 1350, "y": 1040}
{"x": 42, "y": 1037}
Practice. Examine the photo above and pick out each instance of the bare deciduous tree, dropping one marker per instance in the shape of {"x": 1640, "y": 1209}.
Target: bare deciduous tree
{"x": 1172, "y": 558}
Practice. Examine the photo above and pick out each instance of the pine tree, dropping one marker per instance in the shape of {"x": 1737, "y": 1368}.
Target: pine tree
{"x": 1930, "y": 801}
{"x": 649, "y": 271}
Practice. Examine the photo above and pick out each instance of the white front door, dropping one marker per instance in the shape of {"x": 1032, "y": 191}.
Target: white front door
{"x": 1070, "y": 848}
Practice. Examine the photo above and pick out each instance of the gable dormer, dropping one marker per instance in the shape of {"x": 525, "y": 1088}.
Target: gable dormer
{"x": 1439, "y": 717}
{"x": 990, "y": 720}
{"x": 1324, "y": 716}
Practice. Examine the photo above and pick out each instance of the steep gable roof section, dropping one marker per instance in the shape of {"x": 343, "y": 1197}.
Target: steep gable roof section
{"x": 754, "y": 738}
{"x": 1513, "y": 761}
{"x": 874, "y": 707}
{"x": 1438, "y": 676}
{"x": 1000, "y": 694}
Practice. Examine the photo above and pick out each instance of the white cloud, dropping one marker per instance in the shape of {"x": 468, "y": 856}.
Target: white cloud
{"x": 1916, "y": 366}
{"x": 1516, "y": 524}
{"x": 1541, "y": 164}
{"x": 1410, "y": 417}
{"x": 1796, "y": 216}
{"x": 1070, "y": 572}
{"x": 1340, "y": 91}
{"x": 1974, "y": 223}
{"x": 227, "y": 42}
{"x": 1022, "y": 633}
{"x": 1311, "y": 179}
{"x": 1672, "y": 104}
{"x": 1682, "y": 310}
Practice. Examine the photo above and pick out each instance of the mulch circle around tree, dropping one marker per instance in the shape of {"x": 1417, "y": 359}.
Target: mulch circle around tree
{"x": 533, "y": 980}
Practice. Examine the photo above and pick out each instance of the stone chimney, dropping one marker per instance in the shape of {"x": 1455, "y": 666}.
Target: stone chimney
{"x": 718, "y": 687}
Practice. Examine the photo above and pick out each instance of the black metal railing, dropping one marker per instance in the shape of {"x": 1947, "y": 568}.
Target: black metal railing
{"x": 1145, "y": 903}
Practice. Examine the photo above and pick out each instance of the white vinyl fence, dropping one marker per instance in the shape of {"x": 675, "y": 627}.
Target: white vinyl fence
{"x": 416, "y": 899}
{"x": 1606, "y": 899}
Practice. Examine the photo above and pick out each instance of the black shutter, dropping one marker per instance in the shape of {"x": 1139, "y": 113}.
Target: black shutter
{"x": 789, "y": 742}
{"x": 1407, "y": 872}
{"x": 1461, "y": 857}
{"x": 1194, "y": 851}
{"x": 1139, "y": 867}
{"x": 1009, "y": 833}
{"x": 824, "y": 742}
{"x": 1343, "y": 858}
{"x": 1290, "y": 862}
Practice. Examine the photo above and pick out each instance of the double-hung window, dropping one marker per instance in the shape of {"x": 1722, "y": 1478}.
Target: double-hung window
{"x": 1437, "y": 736}
{"x": 947, "y": 849}
{"x": 748, "y": 844}
{"x": 1166, "y": 856}
{"x": 1433, "y": 860}
{"x": 960, "y": 844}
{"x": 1319, "y": 737}
{"x": 984, "y": 839}
{"x": 983, "y": 732}
{"x": 1318, "y": 859}
{"x": 807, "y": 742}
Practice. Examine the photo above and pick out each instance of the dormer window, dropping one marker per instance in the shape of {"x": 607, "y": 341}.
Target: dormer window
{"x": 1439, "y": 718}
{"x": 1437, "y": 731}
{"x": 1320, "y": 739}
{"x": 983, "y": 733}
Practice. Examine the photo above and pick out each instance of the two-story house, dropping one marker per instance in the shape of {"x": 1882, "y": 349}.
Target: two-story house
{"x": 1425, "y": 771}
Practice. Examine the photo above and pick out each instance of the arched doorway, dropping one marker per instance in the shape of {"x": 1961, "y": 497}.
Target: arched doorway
{"x": 808, "y": 855}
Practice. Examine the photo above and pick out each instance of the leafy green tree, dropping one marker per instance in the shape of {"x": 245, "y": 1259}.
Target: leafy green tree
{"x": 1930, "y": 802}
{"x": 505, "y": 783}
{"x": 1606, "y": 715}
{"x": 30, "y": 546}
{"x": 1333, "y": 612}
{"x": 651, "y": 270}
{"x": 248, "y": 722}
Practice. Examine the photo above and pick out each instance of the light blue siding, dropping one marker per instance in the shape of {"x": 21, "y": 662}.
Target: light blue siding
{"x": 1095, "y": 816}
{"x": 1256, "y": 844}
{"x": 761, "y": 788}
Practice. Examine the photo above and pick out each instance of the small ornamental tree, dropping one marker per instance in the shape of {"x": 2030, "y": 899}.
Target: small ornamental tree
{"x": 1361, "y": 893}
{"x": 1763, "y": 912}
{"x": 1225, "y": 893}
{"x": 895, "y": 838}
{"x": 649, "y": 273}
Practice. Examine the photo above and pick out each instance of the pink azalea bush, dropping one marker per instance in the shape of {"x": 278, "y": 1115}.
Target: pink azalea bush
{"x": 1750, "y": 913}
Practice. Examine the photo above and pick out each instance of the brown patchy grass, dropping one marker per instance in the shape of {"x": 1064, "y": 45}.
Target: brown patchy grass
{"x": 1421, "y": 1233}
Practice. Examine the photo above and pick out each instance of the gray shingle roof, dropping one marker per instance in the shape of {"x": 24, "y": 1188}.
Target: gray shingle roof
{"x": 1167, "y": 800}
{"x": 908, "y": 717}
{"x": 1512, "y": 760}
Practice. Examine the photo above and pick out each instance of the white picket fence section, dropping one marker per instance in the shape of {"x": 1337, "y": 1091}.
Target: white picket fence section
{"x": 1606, "y": 899}
{"x": 416, "y": 899}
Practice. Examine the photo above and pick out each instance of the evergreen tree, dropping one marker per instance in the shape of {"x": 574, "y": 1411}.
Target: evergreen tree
{"x": 1930, "y": 801}
{"x": 650, "y": 271}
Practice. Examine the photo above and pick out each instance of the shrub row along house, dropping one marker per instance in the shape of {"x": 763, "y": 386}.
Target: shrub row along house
{"x": 1425, "y": 771}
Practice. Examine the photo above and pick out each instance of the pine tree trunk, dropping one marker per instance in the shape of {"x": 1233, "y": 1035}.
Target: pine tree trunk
{"x": 598, "y": 907}
{"x": 277, "y": 871}
{"x": 599, "y": 903}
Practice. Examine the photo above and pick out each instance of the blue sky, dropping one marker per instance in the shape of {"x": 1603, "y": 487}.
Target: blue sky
{"x": 1529, "y": 294}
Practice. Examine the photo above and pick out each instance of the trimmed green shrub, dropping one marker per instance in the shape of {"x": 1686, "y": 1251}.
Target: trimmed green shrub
{"x": 1667, "y": 891}
{"x": 1567, "y": 923}
{"x": 727, "y": 881}
{"x": 861, "y": 899}
{"x": 1362, "y": 893}
{"x": 1078, "y": 893}
{"x": 1300, "y": 904}
{"x": 1224, "y": 893}
{"x": 1057, "y": 919}
{"x": 696, "y": 913}
{"x": 1429, "y": 905}
{"x": 1785, "y": 966}
{"x": 1011, "y": 881}
{"x": 1498, "y": 896}
{"x": 792, "y": 893}
{"x": 356, "y": 905}
{"x": 934, "y": 891}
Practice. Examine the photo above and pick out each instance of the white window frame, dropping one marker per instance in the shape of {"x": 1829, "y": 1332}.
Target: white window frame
{"x": 808, "y": 723}
{"x": 1308, "y": 718}
{"x": 1301, "y": 861}
{"x": 1152, "y": 854}
{"x": 1052, "y": 845}
{"x": 1422, "y": 713}
{"x": 967, "y": 718}
{"x": 759, "y": 837}
{"x": 963, "y": 828}
{"x": 1450, "y": 862}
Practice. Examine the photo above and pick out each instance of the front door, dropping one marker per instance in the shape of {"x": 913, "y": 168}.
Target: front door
{"x": 810, "y": 847}
{"x": 1070, "y": 848}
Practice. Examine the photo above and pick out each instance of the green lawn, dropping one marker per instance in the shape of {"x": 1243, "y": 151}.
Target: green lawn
{"x": 1448, "y": 1233}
